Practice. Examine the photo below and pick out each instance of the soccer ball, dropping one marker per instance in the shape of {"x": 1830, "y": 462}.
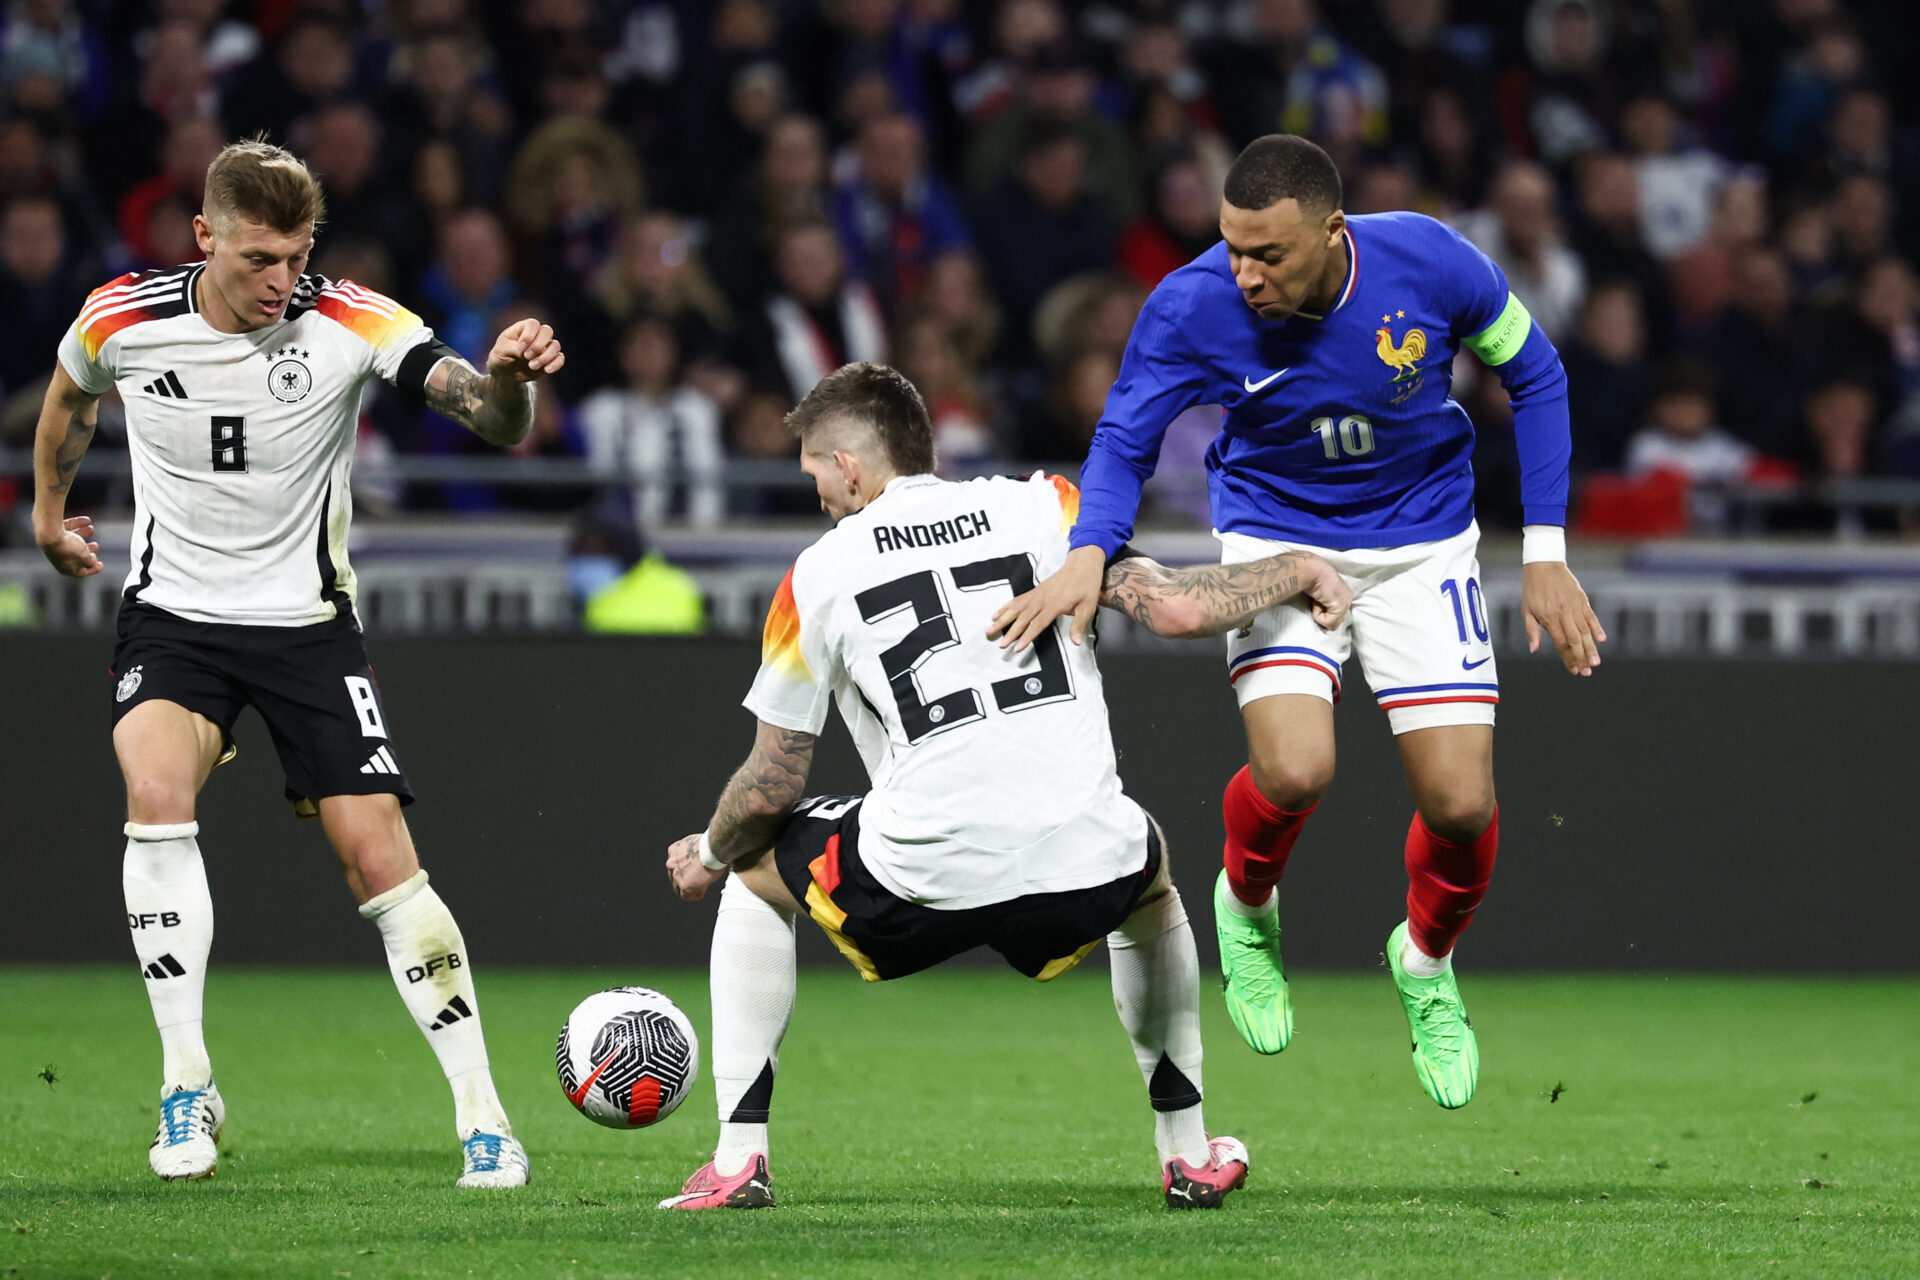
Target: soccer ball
{"x": 627, "y": 1057}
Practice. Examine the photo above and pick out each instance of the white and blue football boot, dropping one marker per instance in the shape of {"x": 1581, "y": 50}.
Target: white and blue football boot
{"x": 186, "y": 1146}
{"x": 493, "y": 1160}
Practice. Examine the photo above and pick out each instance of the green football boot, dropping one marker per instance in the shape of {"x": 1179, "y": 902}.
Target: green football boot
{"x": 1256, "y": 986}
{"x": 1445, "y": 1055}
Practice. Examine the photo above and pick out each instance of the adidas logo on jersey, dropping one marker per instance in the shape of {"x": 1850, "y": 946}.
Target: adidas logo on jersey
{"x": 167, "y": 387}
{"x": 382, "y": 762}
{"x": 165, "y": 967}
{"x": 456, "y": 1009}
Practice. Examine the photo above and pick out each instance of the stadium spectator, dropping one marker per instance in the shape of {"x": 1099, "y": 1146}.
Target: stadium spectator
{"x": 1057, "y": 89}
{"x": 1182, "y": 221}
{"x": 658, "y": 269}
{"x": 1840, "y": 416}
{"x": 963, "y": 438}
{"x": 1041, "y": 226}
{"x": 1677, "y": 185}
{"x": 1606, "y": 375}
{"x": 1703, "y": 275}
{"x": 819, "y": 320}
{"x": 958, "y": 295}
{"x": 39, "y": 292}
{"x": 1454, "y": 158}
{"x": 1683, "y": 435}
{"x": 1760, "y": 356}
{"x": 1292, "y": 72}
{"x": 190, "y": 146}
{"x": 895, "y": 217}
{"x": 573, "y": 185}
{"x": 310, "y": 64}
{"x": 657, "y": 430}
{"x": 1563, "y": 103}
{"x": 1606, "y": 233}
{"x": 1518, "y": 231}
{"x": 341, "y": 143}
{"x": 444, "y": 97}
{"x": 788, "y": 185}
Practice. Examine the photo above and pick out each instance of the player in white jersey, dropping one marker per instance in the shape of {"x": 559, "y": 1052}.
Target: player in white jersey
{"x": 241, "y": 378}
{"x": 996, "y": 817}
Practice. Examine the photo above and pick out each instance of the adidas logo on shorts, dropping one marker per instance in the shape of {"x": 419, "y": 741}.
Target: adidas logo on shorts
{"x": 382, "y": 762}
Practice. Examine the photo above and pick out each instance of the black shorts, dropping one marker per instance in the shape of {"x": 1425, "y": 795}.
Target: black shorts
{"x": 311, "y": 684}
{"x": 1042, "y": 935}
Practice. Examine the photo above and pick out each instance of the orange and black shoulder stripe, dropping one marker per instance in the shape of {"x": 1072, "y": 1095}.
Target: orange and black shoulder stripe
{"x": 373, "y": 317}
{"x": 147, "y": 295}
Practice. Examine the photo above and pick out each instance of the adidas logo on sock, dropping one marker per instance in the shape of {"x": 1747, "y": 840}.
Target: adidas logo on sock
{"x": 382, "y": 762}
{"x": 165, "y": 967}
{"x": 168, "y": 387}
{"x": 456, "y": 1009}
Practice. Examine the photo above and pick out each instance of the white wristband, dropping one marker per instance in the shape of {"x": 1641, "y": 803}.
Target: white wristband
{"x": 705, "y": 855}
{"x": 1543, "y": 542}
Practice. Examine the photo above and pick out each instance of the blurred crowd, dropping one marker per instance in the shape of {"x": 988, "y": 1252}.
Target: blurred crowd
{"x": 1709, "y": 205}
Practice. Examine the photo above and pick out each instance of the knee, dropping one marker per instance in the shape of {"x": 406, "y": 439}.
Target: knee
{"x": 158, "y": 801}
{"x": 1458, "y": 814}
{"x": 1294, "y": 781}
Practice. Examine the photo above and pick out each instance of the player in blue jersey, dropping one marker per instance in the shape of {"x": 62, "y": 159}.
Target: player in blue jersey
{"x": 1330, "y": 341}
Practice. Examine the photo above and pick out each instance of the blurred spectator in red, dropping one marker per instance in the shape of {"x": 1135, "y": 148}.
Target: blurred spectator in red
{"x": 896, "y": 216}
{"x": 1041, "y": 226}
{"x": 1606, "y": 375}
{"x": 819, "y": 320}
{"x": 658, "y": 433}
{"x": 1703, "y": 276}
{"x": 1519, "y": 231}
{"x": 1182, "y": 221}
{"x": 1157, "y": 63}
{"x": 190, "y": 147}
{"x": 1606, "y": 233}
{"x": 1761, "y": 356}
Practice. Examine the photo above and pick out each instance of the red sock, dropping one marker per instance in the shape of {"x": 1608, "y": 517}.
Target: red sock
{"x": 1445, "y": 882}
{"x": 1260, "y": 835}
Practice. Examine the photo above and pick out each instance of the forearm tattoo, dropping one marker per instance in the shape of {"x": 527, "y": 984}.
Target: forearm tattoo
{"x": 498, "y": 410}
{"x": 1224, "y": 596}
{"x": 760, "y": 794}
{"x": 66, "y": 459}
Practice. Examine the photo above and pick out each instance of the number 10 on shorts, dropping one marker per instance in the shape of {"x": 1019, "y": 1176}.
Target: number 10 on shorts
{"x": 1475, "y": 610}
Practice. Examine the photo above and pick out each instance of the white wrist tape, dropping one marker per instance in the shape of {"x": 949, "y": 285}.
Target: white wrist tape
{"x": 1543, "y": 542}
{"x": 705, "y": 854}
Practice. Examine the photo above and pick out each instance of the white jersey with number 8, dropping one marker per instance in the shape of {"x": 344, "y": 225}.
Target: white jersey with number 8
{"x": 241, "y": 443}
{"x": 993, "y": 772}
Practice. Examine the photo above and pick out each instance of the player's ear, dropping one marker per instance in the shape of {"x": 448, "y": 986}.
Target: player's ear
{"x": 1335, "y": 223}
{"x": 203, "y": 234}
{"x": 849, "y": 465}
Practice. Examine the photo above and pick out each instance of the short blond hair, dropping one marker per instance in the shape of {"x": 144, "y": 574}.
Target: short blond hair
{"x": 255, "y": 180}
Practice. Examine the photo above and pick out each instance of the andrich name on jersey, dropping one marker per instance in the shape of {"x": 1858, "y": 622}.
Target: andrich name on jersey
{"x": 896, "y": 537}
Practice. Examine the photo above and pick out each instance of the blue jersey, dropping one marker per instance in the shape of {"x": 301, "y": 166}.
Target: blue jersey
{"x": 1341, "y": 430}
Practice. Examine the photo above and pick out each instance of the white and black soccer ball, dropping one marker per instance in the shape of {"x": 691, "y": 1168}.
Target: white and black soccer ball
{"x": 627, "y": 1057}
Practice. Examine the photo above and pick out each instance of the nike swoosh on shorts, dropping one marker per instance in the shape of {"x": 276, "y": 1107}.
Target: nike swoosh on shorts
{"x": 1468, "y": 666}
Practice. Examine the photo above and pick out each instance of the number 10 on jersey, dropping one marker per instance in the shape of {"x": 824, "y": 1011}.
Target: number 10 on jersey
{"x": 1347, "y": 437}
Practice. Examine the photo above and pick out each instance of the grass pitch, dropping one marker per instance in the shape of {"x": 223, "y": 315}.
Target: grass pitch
{"x": 968, "y": 1123}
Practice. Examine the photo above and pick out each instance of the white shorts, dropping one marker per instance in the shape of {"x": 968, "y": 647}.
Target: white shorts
{"x": 1419, "y": 625}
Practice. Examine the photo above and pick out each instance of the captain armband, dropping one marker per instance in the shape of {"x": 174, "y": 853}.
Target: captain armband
{"x": 1501, "y": 341}
{"x": 418, "y": 364}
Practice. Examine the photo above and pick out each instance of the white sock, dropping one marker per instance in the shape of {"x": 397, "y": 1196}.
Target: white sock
{"x": 1421, "y": 965}
{"x": 1156, "y": 989}
{"x": 1261, "y": 912}
{"x": 753, "y": 981}
{"x": 428, "y": 960}
{"x": 170, "y": 914}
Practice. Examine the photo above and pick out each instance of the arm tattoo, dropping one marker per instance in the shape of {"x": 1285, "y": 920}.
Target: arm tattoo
{"x": 497, "y": 410}
{"x": 66, "y": 460}
{"x": 761, "y": 793}
{"x": 1204, "y": 600}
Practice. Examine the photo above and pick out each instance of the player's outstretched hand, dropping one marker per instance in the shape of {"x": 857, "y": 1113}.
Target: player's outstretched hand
{"x": 525, "y": 351}
{"x": 1329, "y": 593}
{"x": 1551, "y": 597}
{"x": 1074, "y": 588}
{"x": 73, "y": 550}
{"x": 691, "y": 878}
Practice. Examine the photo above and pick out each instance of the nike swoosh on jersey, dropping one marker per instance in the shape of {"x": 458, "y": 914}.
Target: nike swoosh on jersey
{"x": 1253, "y": 386}
{"x": 1468, "y": 666}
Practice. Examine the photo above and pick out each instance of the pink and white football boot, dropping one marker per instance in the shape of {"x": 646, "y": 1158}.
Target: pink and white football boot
{"x": 1204, "y": 1187}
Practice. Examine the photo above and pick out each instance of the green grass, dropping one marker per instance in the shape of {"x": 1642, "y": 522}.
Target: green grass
{"x": 968, "y": 1123}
